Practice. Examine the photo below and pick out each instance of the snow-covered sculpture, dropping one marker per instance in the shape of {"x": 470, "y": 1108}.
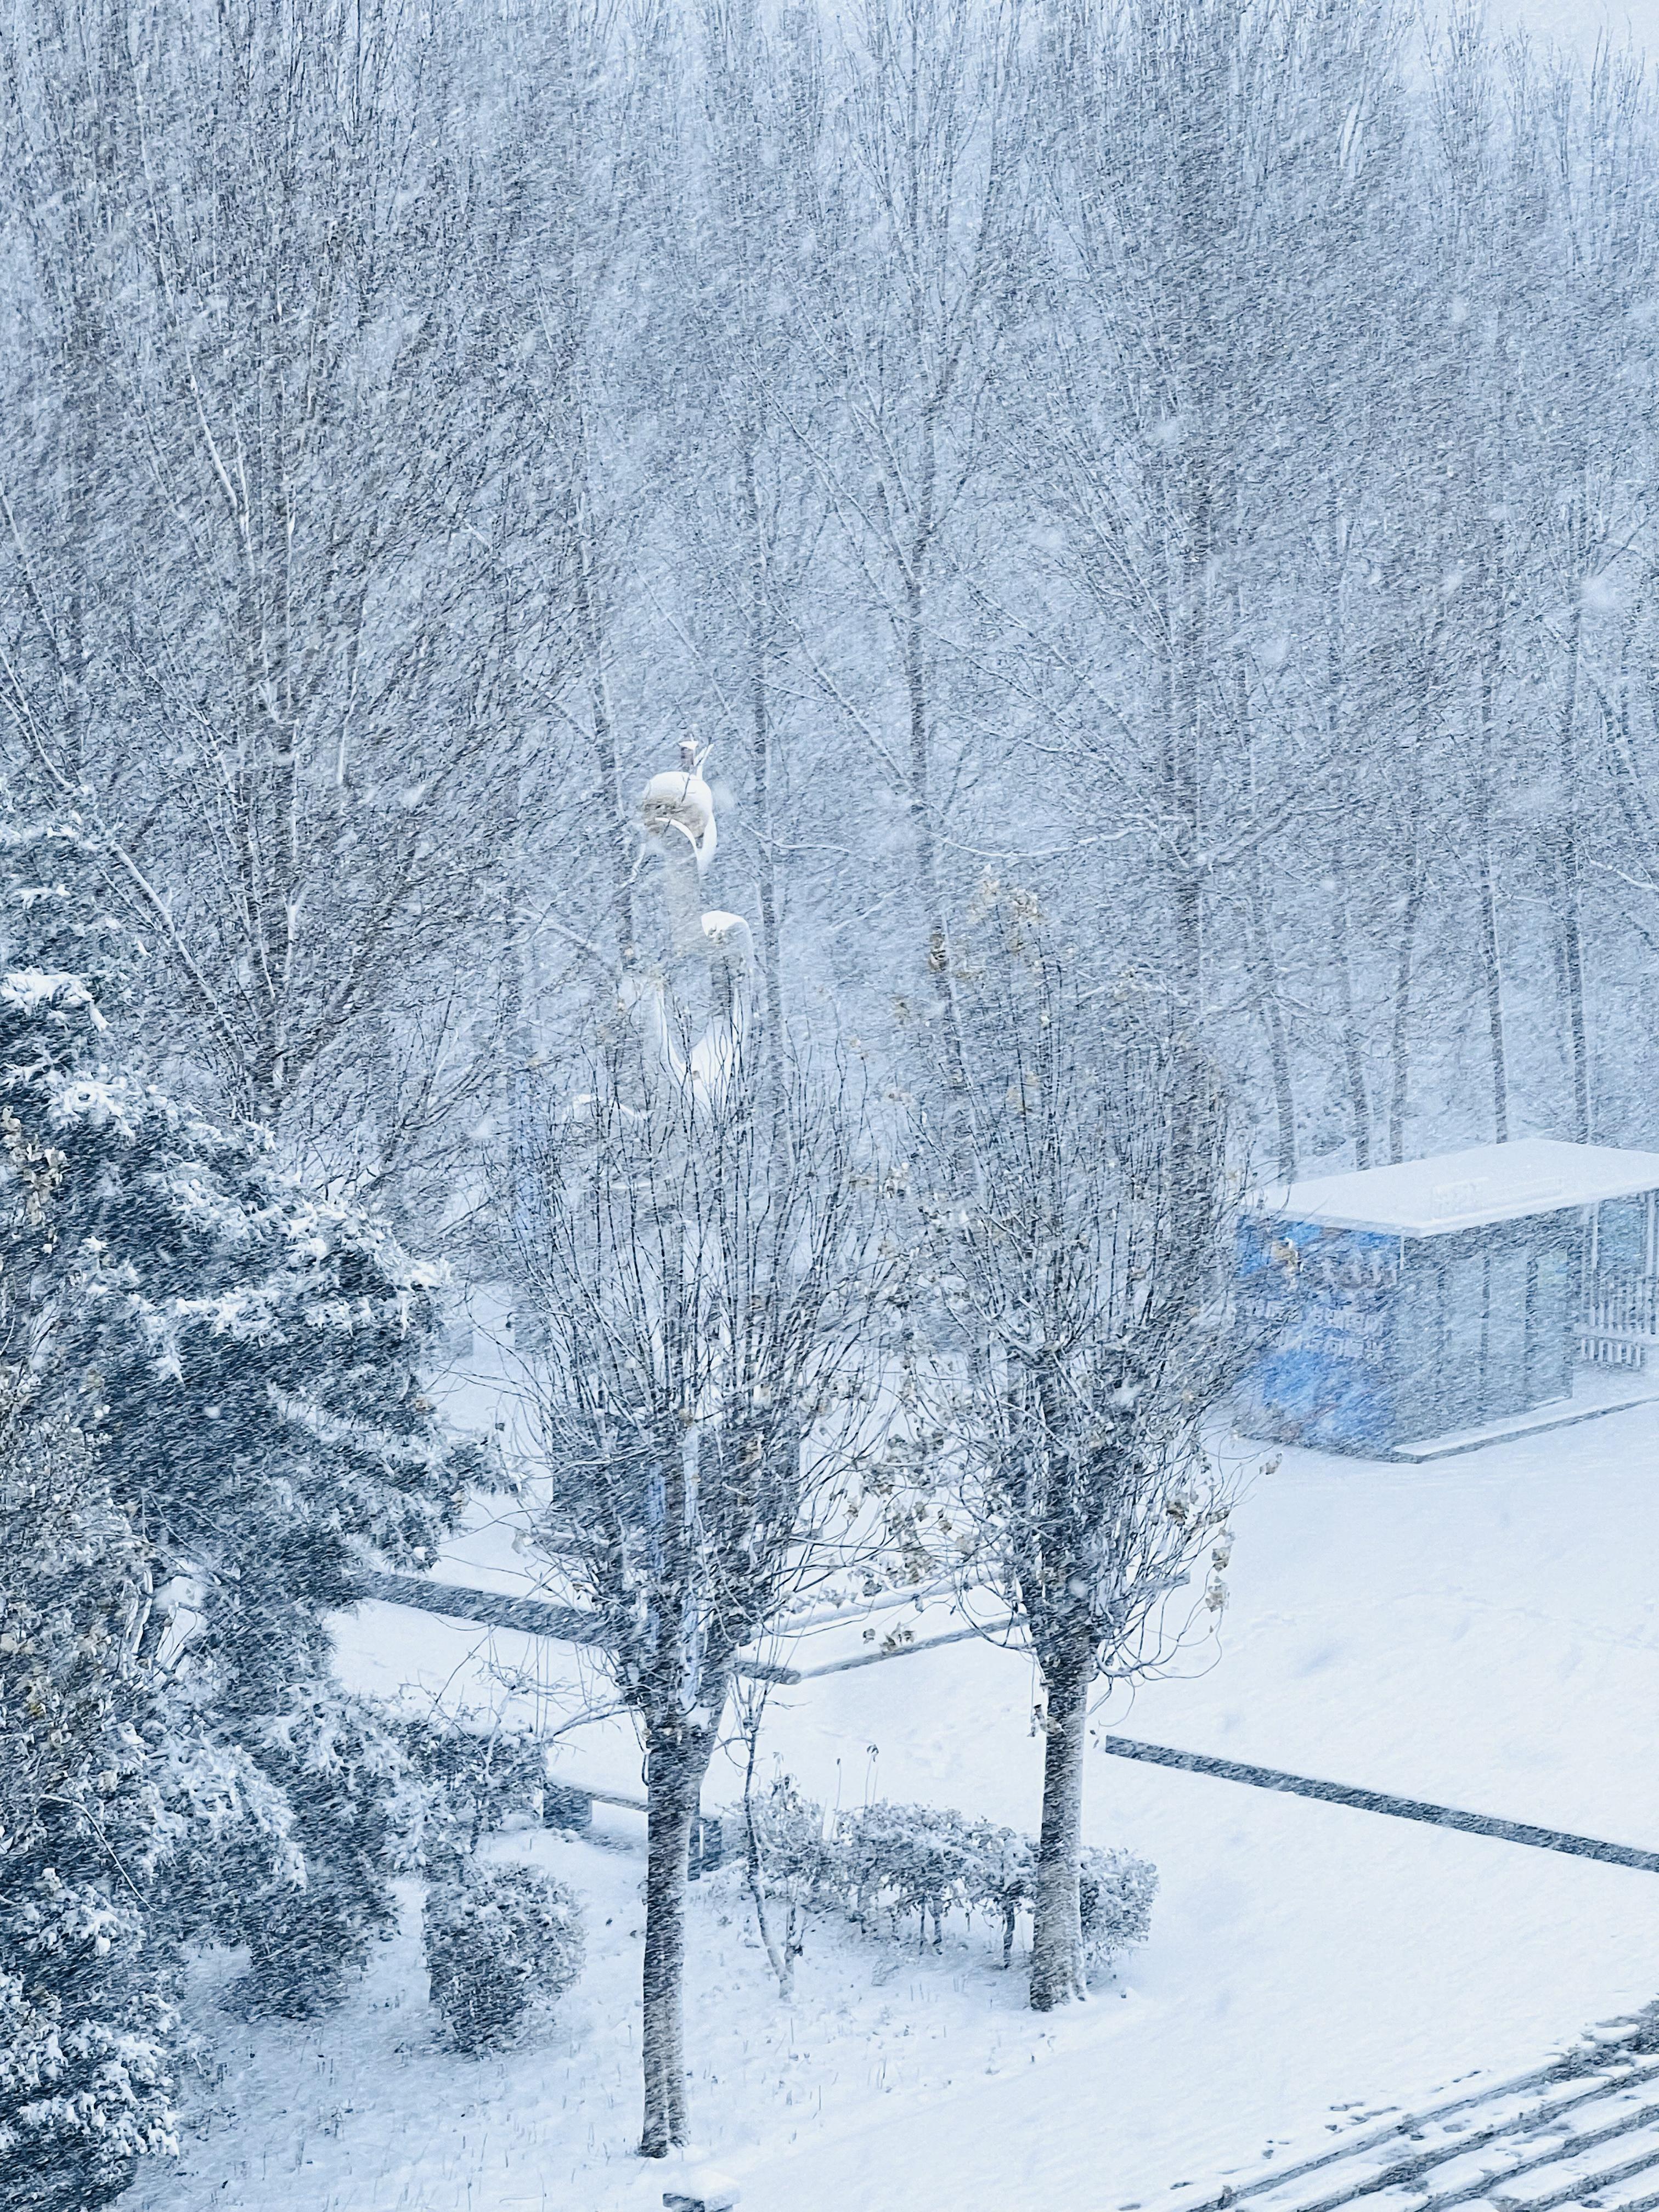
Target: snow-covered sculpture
{"x": 709, "y": 951}
{"x": 679, "y": 799}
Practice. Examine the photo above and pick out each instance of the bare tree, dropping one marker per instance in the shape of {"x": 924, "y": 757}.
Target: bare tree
{"x": 702, "y": 1291}
{"x": 749, "y": 522}
{"x": 1084, "y": 1277}
{"x": 604, "y": 378}
{"x": 1168, "y": 156}
{"x": 918, "y": 228}
{"x": 294, "y": 768}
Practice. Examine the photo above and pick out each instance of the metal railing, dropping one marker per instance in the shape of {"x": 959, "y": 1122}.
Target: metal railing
{"x": 1619, "y": 1318}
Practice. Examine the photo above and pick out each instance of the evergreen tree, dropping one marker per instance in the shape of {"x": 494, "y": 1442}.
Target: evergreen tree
{"x": 260, "y": 1352}
{"x": 86, "y": 2023}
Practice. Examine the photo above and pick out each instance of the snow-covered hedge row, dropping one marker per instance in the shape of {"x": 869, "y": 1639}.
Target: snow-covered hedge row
{"x": 887, "y": 1863}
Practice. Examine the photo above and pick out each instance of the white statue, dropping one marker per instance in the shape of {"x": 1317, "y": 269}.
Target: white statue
{"x": 677, "y": 817}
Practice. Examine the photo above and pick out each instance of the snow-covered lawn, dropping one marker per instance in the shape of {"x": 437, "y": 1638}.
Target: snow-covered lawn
{"x": 1483, "y": 1630}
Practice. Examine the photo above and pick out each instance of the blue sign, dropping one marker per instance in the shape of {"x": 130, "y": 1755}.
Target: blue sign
{"x": 1320, "y": 1303}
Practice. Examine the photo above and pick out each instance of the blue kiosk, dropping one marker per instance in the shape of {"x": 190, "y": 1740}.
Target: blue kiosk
{"x": 1440, "y": 1296}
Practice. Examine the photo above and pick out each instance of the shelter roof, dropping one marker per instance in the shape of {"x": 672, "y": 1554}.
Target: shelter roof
{"x": 1466, "y": 1190}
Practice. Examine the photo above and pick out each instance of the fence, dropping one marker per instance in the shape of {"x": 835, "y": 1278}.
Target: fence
{"x": 1619, "y": 1318}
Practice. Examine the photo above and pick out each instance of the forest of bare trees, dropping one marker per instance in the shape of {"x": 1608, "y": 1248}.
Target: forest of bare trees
{"x": 1191, "y": 459}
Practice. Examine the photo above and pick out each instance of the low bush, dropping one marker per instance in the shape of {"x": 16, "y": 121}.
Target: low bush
{"x": 797, "y": 1851}
{"x": 473, "y": 1781}
{"x": 500, "y": 1941}
{"x": 901, "y": 1859}
{"x": 1118, "y": 1890}
{"x": 791, "y": 1862}
{"x": 888, "y": 1861}
{"x": 1002, "y": 1878}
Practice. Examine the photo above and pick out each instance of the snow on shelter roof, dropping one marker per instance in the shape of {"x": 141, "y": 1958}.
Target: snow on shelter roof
{"x": 1465, "y": 1190}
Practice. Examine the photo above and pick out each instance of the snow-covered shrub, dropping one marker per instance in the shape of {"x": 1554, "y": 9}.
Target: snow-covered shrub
{"x": 792, "y": 1863}
{"x": 1116, "y": 1890}
{"x": 889, "y": 1861}
{"x": 86, "y": 2027}
{"x": 1117, "y": 1893}
{"x": 309, "y": 1916}
{"x": 1000, "y": 1877}
{"x": 796, "y": 1848}
{"x": 900, "y": 1859}
{"x": 471, "y": 1781}
{"x": 565, "y": 1807}
{"x": 499, "y": 1940}
{"x": 82, "y": 2096}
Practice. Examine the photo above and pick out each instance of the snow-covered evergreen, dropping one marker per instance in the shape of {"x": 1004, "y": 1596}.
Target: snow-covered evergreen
{"x": 87, "y": 2025}
{"x": 258, "y": 1357}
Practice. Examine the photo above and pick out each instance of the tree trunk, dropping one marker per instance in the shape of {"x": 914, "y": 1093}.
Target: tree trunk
{"x": 1400, "y": 1098}
{"x": 760, "y": 712}
{"x": 674, "y": 1774}
{"x": 614, "y": 820}
{"x": 781, "y": 1955}
{"x": 1186, "y": 640}
{"x": 1411, "y": 916}
{"x": 1057, "y": 1936}
{"x": 1270, "y": 1005}
{"x": 937, "y": 949}
{"x": 1353, "y": 1049}
{"x": 1260, "y": 951}
{"x": 517, "y": 959}
{"x": 1569, "y": 889}
{"x": 1491, "y": 966}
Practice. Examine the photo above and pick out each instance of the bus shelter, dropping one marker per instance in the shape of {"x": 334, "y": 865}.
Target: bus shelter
{"x": 1439, "y": 1296}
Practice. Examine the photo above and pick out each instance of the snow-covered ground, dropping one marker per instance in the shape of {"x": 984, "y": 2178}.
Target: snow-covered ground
{"x": 1481, "y": 1630}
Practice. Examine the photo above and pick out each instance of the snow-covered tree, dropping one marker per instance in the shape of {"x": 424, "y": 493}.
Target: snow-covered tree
{"x": 699, "y": 1260}
{"x": 261, "y": 1355}
{"x": 214, "y": 264}
{"x": 87, "y": 2023}
{"x": 1080, "y": 1259}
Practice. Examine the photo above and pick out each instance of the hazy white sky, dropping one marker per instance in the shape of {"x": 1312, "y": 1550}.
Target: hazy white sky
{"x": 1580, "y": 20}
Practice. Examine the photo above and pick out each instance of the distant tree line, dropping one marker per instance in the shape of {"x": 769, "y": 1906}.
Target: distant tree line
{"x": 1189, "y": 457}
